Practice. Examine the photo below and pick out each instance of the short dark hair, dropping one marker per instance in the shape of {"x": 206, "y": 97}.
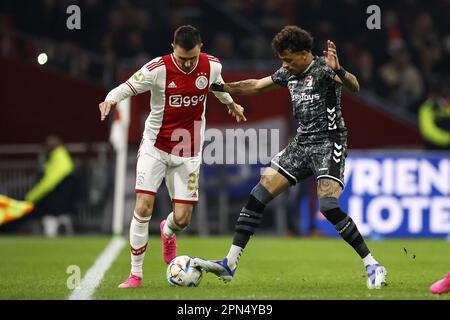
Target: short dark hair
{"x": 292, "y": 38}
{"x": 187, "y": 37}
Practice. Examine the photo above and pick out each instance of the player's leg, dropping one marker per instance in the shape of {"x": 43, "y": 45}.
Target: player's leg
{"x": 176, "y": 221}
{"x": 328, "y": 162}
{"x": 150, "y": 171}
{"x": 182, "y": 184}
{"x": 287, "y": 168}
{"x": 271, "y": 184}
{"x": 139, "y": 238}
{"x": 328, "y": 192}
{"x": 139, "y": 230}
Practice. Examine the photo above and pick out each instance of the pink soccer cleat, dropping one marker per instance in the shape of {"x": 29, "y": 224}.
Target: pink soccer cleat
{"x": 169, "y": 245}
{"x": 441, "y": 286}
{"x": 131, "y": 282}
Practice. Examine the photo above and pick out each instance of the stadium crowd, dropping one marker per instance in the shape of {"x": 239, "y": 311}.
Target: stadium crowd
{"x": 401, "y": 62}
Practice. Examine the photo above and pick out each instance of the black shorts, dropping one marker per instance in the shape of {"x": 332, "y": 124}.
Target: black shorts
{"x": 322, "y": 156}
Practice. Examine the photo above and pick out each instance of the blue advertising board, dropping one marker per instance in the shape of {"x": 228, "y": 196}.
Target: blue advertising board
{"x": 393, "y": 195}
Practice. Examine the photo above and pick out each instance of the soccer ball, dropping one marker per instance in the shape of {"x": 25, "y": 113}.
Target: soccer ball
{"x": 180, "y": 273}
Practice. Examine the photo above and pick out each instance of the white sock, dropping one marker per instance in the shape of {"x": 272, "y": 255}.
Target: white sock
{"x": 138, "y": 243}
{"x": 233, "y": 256}
{"x": 170, "y": 227}
{"x": 369, "y": 260}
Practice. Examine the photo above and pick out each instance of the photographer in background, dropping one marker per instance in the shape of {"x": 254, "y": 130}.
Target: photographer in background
{"x": 53, "y": 193}
{"x": 434, "y": 118}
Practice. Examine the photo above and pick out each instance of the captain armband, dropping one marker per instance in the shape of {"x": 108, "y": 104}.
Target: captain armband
{"x": 217, "y": 87}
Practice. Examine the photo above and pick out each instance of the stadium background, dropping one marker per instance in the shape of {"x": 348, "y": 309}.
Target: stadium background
{"x": 398, "y": 66}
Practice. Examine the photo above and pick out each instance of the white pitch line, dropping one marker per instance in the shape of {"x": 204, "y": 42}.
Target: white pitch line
{"x": 94, "y": 275}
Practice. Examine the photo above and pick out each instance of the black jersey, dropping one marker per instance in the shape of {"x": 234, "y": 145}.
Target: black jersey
{"x": 316, "y": 98}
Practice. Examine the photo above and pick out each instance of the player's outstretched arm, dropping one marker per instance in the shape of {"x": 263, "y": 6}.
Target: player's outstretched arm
{"x": 247, "y": 87}
{"x": 236, "y": 111}
{"x": 105, "y": 107}
{"x": 140, "y": 81}
{"x": 344, "y": 77}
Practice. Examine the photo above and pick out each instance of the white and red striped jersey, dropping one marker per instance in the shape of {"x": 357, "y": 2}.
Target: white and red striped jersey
{"x": 176, "y": 122}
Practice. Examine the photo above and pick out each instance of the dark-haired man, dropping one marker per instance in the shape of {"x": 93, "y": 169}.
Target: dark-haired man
{"x": 172, "y": 140}
{"x": 319, "y": 148}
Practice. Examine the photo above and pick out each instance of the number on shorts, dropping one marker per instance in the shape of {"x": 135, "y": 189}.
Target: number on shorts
{"x": 193, "y": 181}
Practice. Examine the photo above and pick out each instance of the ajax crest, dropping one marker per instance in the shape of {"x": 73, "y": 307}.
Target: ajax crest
{"x": 201, "y": 82}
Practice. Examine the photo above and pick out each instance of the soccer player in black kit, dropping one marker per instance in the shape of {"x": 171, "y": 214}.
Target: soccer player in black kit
{"x": 319, "y": 148}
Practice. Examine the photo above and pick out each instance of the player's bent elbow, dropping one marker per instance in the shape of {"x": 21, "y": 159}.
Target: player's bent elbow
{"x": 355, "y": 88}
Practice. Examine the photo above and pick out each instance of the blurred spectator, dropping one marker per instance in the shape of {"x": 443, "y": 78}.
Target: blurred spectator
{"x": 424, "y": 33}
{"x": 80, "y": 67}
{"x": 257, "y": 47}
{"x": 425, "y": 41}
{"x": 53, "y": 193}
{"x": 109, "y": 63}
{"x": 394, "y": 37}
{"x": 430, "y": 63}
{"x": 237, "y": 6}
{"x": 324, "y": 31}
{"x": 223, "y": 46}
{"x": 401, "y": 81}
{"x": 268, "y": 17}
{"x": 364, "y": 70}
{"x": 434, "y": 118}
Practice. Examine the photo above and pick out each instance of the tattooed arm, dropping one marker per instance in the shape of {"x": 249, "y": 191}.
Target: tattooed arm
{"x": 349, "y": 81}
{"x": 247, "y": 87}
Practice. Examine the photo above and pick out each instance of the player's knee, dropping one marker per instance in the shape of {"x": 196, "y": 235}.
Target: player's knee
{"x": 265, "y": 181}
{"x": 144, "y": 206}
{"x": 182, "y": 221}
{"x": 328, "y": 203}
{"x": 182, "y": 216}
{"x": 143, "y": 210}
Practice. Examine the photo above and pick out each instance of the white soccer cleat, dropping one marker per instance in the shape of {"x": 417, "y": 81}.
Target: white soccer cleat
{"x": 219, "y": 267}
{"x": 376, "y": 276}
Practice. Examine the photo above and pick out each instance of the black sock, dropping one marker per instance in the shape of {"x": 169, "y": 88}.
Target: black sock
{"x": 251, "y": 215}
{"x": 348, "y": 230}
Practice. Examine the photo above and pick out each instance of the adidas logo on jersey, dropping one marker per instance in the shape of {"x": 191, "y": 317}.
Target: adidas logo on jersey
{"x": 172, "y": 85}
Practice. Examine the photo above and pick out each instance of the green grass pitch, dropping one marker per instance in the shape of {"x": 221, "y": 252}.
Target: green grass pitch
{"x": 270, "y": 268}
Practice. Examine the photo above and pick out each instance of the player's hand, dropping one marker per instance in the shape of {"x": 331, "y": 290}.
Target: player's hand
{"x": 105, "y": 107}
{"x": 236, "y": 111}
{"x": 331, "y": 57}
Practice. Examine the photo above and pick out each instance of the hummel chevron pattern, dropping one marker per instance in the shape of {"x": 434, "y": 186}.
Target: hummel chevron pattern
{"x": 331, "y": 118}
{"x": 337, "y": 152}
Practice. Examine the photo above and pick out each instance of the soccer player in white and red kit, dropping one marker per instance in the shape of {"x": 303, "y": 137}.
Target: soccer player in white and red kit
{"x": 172, "y": 140}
